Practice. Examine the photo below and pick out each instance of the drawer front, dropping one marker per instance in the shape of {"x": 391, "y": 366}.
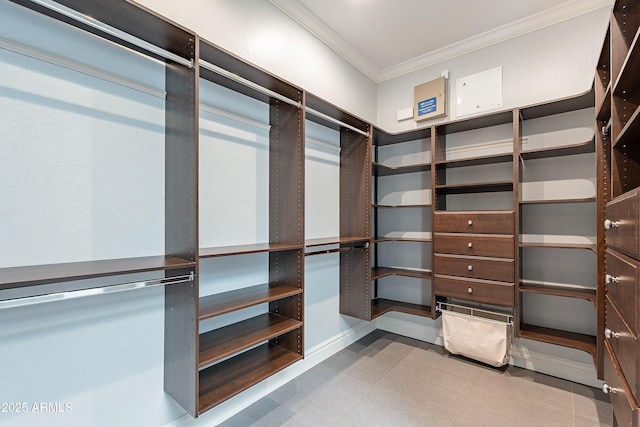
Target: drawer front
{"x": 497, "y": 269}
{"x": 483, "y": 291}
{"x": 487, "y": 245}
{"x": 494, "y": 222}
{"x": 623, "y": 233}
{"x": 625, "y": 409}
{"x": 622, "y": 277}
{"x": 623, "y": 345}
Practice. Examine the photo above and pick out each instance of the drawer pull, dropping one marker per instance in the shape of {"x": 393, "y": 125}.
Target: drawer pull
{"x": 609, "y": 279}
{"x": 469, "y": 290}
{"x": 608, "y": 224}
{"x": 470, "y": 268}
{"x": 470, "y": 222}
{"x": 608, "y": 334}
{"x": 470, "y": 245}
{"x": 607, "y": 389}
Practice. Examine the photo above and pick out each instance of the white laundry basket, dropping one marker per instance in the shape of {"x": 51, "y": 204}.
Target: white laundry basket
{"x": 477, "y": 336}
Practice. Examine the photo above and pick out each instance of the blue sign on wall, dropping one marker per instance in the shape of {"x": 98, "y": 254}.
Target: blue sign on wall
{"x": 427, "y": 106}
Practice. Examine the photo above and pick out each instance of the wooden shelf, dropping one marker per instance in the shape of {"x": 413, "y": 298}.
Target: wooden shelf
{"x": 17, "y": 277}
{"x": 604, "y": 110}
{"x": 382, "y": 306}
{"x": 227, "y": 379}
{"x": 224, "y": 342}
{"x": 565, "y": 150}
{"x": 563, "y": 338}
{"x": 559, "y": 291}
{"x": 627, "y": 80}
{"x": 558, "y": 201}
{"x": 585, "y": 246}
{"x": 479, "y": 122}
{"x": 380, "y": 272}
{"x": 334, "y": 241}
{"x": 560, "y": 106}
{"x": 246, "y": 249}
{"x": 630, "y": 133}
{"x": 401, "y": 239}
{"x": 381, "y": 170}
{"x": 478, "y": 187}
{"x": 226, "y": 302}
{"x": 476, "y": 161}
{"x": 402, "y": 206}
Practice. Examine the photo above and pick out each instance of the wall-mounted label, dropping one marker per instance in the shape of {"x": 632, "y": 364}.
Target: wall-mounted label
{"x": 427, "y": 106}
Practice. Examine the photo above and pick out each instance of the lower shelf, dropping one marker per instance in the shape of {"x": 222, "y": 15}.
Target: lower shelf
{"x": 229, "y": 378}
{"x": 380, "y": 272}
{"x": 381, "y": 306}
{"x": 563, "y": 338}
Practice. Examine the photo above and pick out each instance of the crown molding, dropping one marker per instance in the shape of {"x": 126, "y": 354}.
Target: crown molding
{"x": 299, "y": 13}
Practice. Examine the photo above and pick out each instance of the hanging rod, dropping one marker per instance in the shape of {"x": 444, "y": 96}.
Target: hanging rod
{"x": 79, "y": 67}
{"x": 79, "y": 17}
{"x": 330, "y": 251}
{"x": 336, "y": 121}
{"x": 471, "y": 311}
{"x": 606, "y": 128}
{"x": 59, "y": 296}
{"x": 319, "y": 143}
{"x": 235, "y": 117}
{"x": 221, "y": 71}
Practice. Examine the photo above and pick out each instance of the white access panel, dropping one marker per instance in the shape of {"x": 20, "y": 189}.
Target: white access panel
{"x": 479, "y": 92}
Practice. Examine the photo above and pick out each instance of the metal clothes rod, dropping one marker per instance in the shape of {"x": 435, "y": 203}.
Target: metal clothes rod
{"x": 235, "y": 117}
{"x": 336, "y": 121}
{"x": 79, "y": 67}
{"x": 221, "y": 71}
{"x": 67, "y": 295}
{"x": 317, "y": 142}
{"x": 114, "y": 32}
{"x": 442, "y": 306}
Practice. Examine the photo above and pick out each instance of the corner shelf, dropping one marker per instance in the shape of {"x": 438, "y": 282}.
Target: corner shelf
{"x": 382, "y": 170}
{"x": 574, "y": 340}
{"x": 382, "y": 306}
{"x": 380, "y": 272}
{"x": 558, "y": 290}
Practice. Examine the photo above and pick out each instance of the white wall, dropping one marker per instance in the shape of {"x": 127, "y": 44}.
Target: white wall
{"x": 262, "y": 34}
{"x": 554, "y": 62}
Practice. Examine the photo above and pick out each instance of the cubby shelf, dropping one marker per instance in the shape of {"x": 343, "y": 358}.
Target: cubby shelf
{"x": 232, "y": 376}
{"x": 226, "y": 341}
{"x": 575, "y": 340}
{"x": 382, "y": 306}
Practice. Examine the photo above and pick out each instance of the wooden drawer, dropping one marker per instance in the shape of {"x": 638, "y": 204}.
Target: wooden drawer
{"x": 487, "y": 245}
{"x": 495, "y": 222}
{"x": 625, "y": 408}
{"x": 622, "y": 213}
{"x": 484, "y": 291}
{"x": 622, "y": 289}
{"x": 498, "y": 269}
{"x": 623, "y": 344}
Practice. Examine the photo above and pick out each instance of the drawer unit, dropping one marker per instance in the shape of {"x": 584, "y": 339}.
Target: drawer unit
{"x": 624, "y": 344}
{"x": 621, "y": 224}
{"x": 621, "y": 286}
{"x": 625, "y": 408}
{"x": 499, "y": 269}
{"x": 494, "y": 222}
{"x": 486, "y": 245}
{"x": 482, "y": 291}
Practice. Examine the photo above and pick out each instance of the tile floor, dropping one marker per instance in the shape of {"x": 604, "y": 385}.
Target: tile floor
{"x": 389, "y": 380}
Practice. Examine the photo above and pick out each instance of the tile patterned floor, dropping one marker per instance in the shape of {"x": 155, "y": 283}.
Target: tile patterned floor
{"x": 389, "y": 380}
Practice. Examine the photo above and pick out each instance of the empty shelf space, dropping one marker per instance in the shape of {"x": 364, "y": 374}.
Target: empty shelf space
{"x": 335, "y": 241}
{"x": 246, "y": 249}
{"x": 226, "y": 379}
{"x": 383, "y": 170}
{"x": 563, "y": 338}
{"x": 627, "y": 80}
{"x": 478, "y": 187}
{"x": 224, "y": 342}
{"x": 630, "y": 132}
{"x": 552, "y": 201}
{"x": 226, "y": 302}
{"x": 558, "y": 290}
{"x": 381, "y": 306}
{"x": 380, "y": 272}
{"x": 557, "y": 151}
{"x": 476, "y": 161}
{"x": 16, "y": 277}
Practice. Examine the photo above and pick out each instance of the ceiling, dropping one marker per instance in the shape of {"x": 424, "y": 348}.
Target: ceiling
{"x": 388, "y": 38}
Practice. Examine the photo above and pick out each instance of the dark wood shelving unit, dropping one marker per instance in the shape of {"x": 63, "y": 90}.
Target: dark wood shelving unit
{"x": 246, "y": 249}
{"x": 227, "y": 302}
{"x": 380, "y": 272}
{"x": 382, "y": 306}
{"x": 558, "y": 291}
{"x": 224, "y": 342}
{"x": 232, "y": 376}
{"x": 565, "y": 150}
{"x": 477, "y": 187}
{"x": 382, "y": 170}
{"x": 575, "y": 340}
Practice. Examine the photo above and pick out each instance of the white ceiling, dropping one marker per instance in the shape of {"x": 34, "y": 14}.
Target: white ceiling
{"x": 388, "y": 38}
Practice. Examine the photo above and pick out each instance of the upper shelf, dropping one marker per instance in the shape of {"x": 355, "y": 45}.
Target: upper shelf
{"x": 246, "y": 249}
{"x": 17, "y": 277}
{"x": 382, "y": 170}
{"x": 478, "y": 187}
{"x": 565, "y": 105}
{"x": 563, "y": 150}
{"x": 475, "y": 161}
{"x": 627, "y": 80}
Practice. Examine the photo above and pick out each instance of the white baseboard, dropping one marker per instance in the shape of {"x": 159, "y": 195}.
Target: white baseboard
{"x": 521, "y": 355}
{"x": 312, "y": 357}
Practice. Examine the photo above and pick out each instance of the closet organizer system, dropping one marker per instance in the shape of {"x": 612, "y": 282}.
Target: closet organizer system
{"x": 617, "y": 109}
{"x": 434, "y": 214}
